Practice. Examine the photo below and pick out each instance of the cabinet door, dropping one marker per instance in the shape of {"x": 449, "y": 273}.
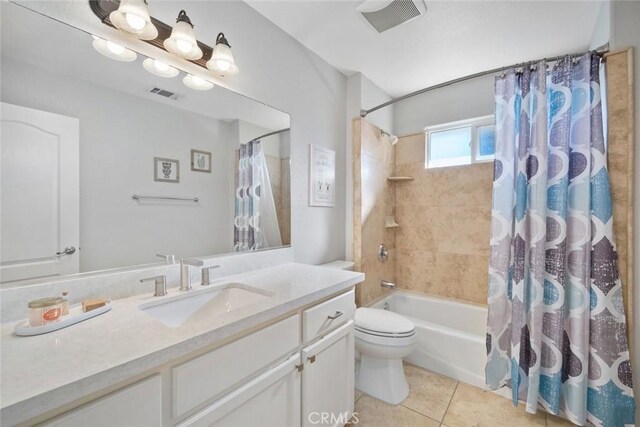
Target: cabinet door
{"x": 137, "y": 405}
{"x": 271, "y": 399}
{"x": 328, "y": 379}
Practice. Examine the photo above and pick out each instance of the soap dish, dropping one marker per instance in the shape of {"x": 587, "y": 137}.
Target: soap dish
{"x": 75, "y": 315}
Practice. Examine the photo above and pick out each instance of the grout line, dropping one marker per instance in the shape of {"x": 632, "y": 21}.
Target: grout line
{"x": 419, "y": 413}
{"x": 451, "y": 400}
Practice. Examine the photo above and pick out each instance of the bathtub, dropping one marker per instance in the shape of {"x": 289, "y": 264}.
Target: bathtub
{"x": 450, "y": 334}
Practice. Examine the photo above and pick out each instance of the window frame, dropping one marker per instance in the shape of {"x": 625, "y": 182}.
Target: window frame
{"x": 474, "y": 124}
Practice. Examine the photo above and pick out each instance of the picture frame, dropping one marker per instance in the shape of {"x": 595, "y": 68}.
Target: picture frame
{"x": 201, "y": 161}
{"x": 166, "y": 170}
{"x": 322, "y": 176}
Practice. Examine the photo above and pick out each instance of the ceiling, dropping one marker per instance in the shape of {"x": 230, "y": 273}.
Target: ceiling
{"x": 454, "y": 38}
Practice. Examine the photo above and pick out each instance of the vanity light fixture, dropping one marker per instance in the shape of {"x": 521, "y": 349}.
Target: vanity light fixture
{"x": 222, "y": 58}
{"x": 197, "y": 83}
{"x": 182, "y": 41}
{"x": 113, "y": 50}
{"x": 132, "y": 17}
{"x": 159, "y": 68}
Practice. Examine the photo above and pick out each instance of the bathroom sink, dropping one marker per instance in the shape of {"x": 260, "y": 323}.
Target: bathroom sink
{"x": 175, "y": 311}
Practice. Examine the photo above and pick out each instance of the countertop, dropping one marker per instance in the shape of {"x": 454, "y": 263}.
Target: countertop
{"x": 43, "y": 372}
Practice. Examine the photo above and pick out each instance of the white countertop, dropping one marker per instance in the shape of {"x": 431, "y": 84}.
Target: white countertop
{"x": 43, "y": 372}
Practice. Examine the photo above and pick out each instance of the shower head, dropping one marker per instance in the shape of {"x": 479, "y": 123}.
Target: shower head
{"x": 392, "y": 139}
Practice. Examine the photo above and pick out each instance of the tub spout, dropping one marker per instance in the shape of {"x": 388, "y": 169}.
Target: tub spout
{"x": 386, "y": 284}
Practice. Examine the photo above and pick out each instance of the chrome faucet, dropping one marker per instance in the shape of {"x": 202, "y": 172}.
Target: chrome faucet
{"x": 185, "y": 272}
{"x": 161, "y": 284}
{"x": 206, "y": 274}
{"x": 387, "y": 284}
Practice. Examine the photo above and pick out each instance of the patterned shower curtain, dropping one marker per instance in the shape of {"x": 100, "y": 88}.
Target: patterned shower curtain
{"x": 556, "y": 331}
{"x": 247, "y": 234}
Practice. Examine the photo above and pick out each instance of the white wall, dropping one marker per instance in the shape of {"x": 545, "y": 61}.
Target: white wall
{"x": 120, "y": 134}
{"x": 472, "y": 98}
{"x": 279, "y": 71}
{"x": 624, "y": 33}
{"x": 361, "y": 93}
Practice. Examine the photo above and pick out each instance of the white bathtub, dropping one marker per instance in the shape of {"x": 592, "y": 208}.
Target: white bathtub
{"x": 450, "y": 334}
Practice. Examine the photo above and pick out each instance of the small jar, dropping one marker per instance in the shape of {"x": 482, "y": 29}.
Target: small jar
{"x": 45, "y": 310}
{"x": 65, "y": 303}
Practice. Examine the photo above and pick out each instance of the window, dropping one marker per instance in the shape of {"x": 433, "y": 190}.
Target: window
{"x": 460, "y": 143}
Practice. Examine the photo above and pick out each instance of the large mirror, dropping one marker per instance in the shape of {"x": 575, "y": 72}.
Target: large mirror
{"x": 105, "y": 165}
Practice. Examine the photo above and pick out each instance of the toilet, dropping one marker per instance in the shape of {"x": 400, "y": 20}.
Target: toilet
{"x": 383, "y": 338}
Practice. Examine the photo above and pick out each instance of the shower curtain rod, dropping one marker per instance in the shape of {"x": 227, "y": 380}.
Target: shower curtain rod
{"x": 275, "y": 132}
{"x": 363, "y": 113}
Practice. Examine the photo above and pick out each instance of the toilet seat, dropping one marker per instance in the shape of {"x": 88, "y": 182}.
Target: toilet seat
{"x": 383, "y": 323}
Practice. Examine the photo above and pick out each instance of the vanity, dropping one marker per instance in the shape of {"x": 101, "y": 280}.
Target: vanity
{"x": 284, "y": 358}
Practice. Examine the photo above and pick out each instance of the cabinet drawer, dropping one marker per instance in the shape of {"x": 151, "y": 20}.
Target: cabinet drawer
{"x": 137, "y": 405}
{"x": 205, "y": 377}
{"x": 324, "y": 317}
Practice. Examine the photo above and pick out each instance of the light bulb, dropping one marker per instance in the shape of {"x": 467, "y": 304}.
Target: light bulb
{"x": 160, "y": 66}
{"x": 223, "y": 65}
{"x": 184, "y": 46}
{"x": 115, "y": 48}
{"x": 135, "y": 21}
{"x": 198, "y": 80}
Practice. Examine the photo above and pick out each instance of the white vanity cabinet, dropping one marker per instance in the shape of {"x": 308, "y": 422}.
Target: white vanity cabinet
{"x": 298, "y": 371}
{"x": 139, "y": 405}
{"x": 328, "y": 378}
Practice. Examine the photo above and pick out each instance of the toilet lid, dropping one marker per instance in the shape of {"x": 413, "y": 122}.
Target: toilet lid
{"x": 379, "y": 321}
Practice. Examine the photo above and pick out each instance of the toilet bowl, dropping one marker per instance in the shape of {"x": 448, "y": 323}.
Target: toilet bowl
{"x": 383, "y": 338}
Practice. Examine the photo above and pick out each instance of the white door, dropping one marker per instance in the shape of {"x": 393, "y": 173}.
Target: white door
{"x": 39, "y": 194}
{"x": 328, "y": 379}
{"x": 271, "y": 399}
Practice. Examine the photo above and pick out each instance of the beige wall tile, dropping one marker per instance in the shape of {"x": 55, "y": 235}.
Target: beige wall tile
{"x": 418, "y": 227}
{"x": 471, "y": 406}
{"x": 410, "y": 149}
{"x": 463, "y": 229}
{"x": 468, "y": 185}
{"x": 462, "y": 277}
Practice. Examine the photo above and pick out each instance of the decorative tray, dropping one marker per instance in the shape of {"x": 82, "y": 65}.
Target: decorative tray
{"x": 75, "y": 315}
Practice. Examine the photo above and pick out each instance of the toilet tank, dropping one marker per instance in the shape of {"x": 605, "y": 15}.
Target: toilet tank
{"x": 340, "y": 264}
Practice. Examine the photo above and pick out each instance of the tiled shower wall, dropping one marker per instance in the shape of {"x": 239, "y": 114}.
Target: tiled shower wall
{"x": 373, "y": 199}
{"x": 441, "y": 247}
{"x": 442, "y": 243}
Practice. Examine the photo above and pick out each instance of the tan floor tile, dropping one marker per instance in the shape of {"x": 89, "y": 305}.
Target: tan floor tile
{"x": 471, "y": 406}
{"x": 429, "y": 394}
{"x": 375, "y": 413}
{"x": 357, "y": 395}
{"x": 553, "y": 421}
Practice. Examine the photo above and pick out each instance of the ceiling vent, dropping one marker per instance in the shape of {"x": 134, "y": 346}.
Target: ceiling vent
{"x": 384, "y": 15}
{"x": 165, "y": 93}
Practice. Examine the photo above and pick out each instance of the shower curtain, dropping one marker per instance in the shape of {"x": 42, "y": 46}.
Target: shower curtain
{"x": 255, "y": 223}
{"x": 556, "y": 332}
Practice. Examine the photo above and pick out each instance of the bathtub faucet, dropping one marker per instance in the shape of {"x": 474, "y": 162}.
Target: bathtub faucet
{"x": 386, "y": 284}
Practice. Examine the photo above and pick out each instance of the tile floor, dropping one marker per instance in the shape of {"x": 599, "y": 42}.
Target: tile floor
{"x": 438, "y": 401}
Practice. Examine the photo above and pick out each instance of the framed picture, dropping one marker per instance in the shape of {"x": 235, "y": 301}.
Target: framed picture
{"x": 200, "y": 161}
{"x": 166, "y": 170}
{"x": 322, "y": 176}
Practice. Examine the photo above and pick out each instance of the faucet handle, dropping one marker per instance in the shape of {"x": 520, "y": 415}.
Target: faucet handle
{"x": 161, "y": 284}
{"x": 192, "y": 261}
{"x": 206, "y": 273}
{"x": 168, "y": 258}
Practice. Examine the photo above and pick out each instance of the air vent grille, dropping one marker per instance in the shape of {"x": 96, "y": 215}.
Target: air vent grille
{"x": 164, "y": 93}
{"x": 395, "y": 13}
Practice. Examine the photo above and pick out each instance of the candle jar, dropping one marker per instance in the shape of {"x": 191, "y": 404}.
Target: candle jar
{"x": 45, "y": 310}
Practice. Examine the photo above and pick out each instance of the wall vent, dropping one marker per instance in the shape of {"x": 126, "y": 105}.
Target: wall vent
{"x": 165, "y": 93}
{"x": 384, "y": 15}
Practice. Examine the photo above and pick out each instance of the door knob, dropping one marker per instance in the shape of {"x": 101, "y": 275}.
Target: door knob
{"x": 69, "y": 250}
